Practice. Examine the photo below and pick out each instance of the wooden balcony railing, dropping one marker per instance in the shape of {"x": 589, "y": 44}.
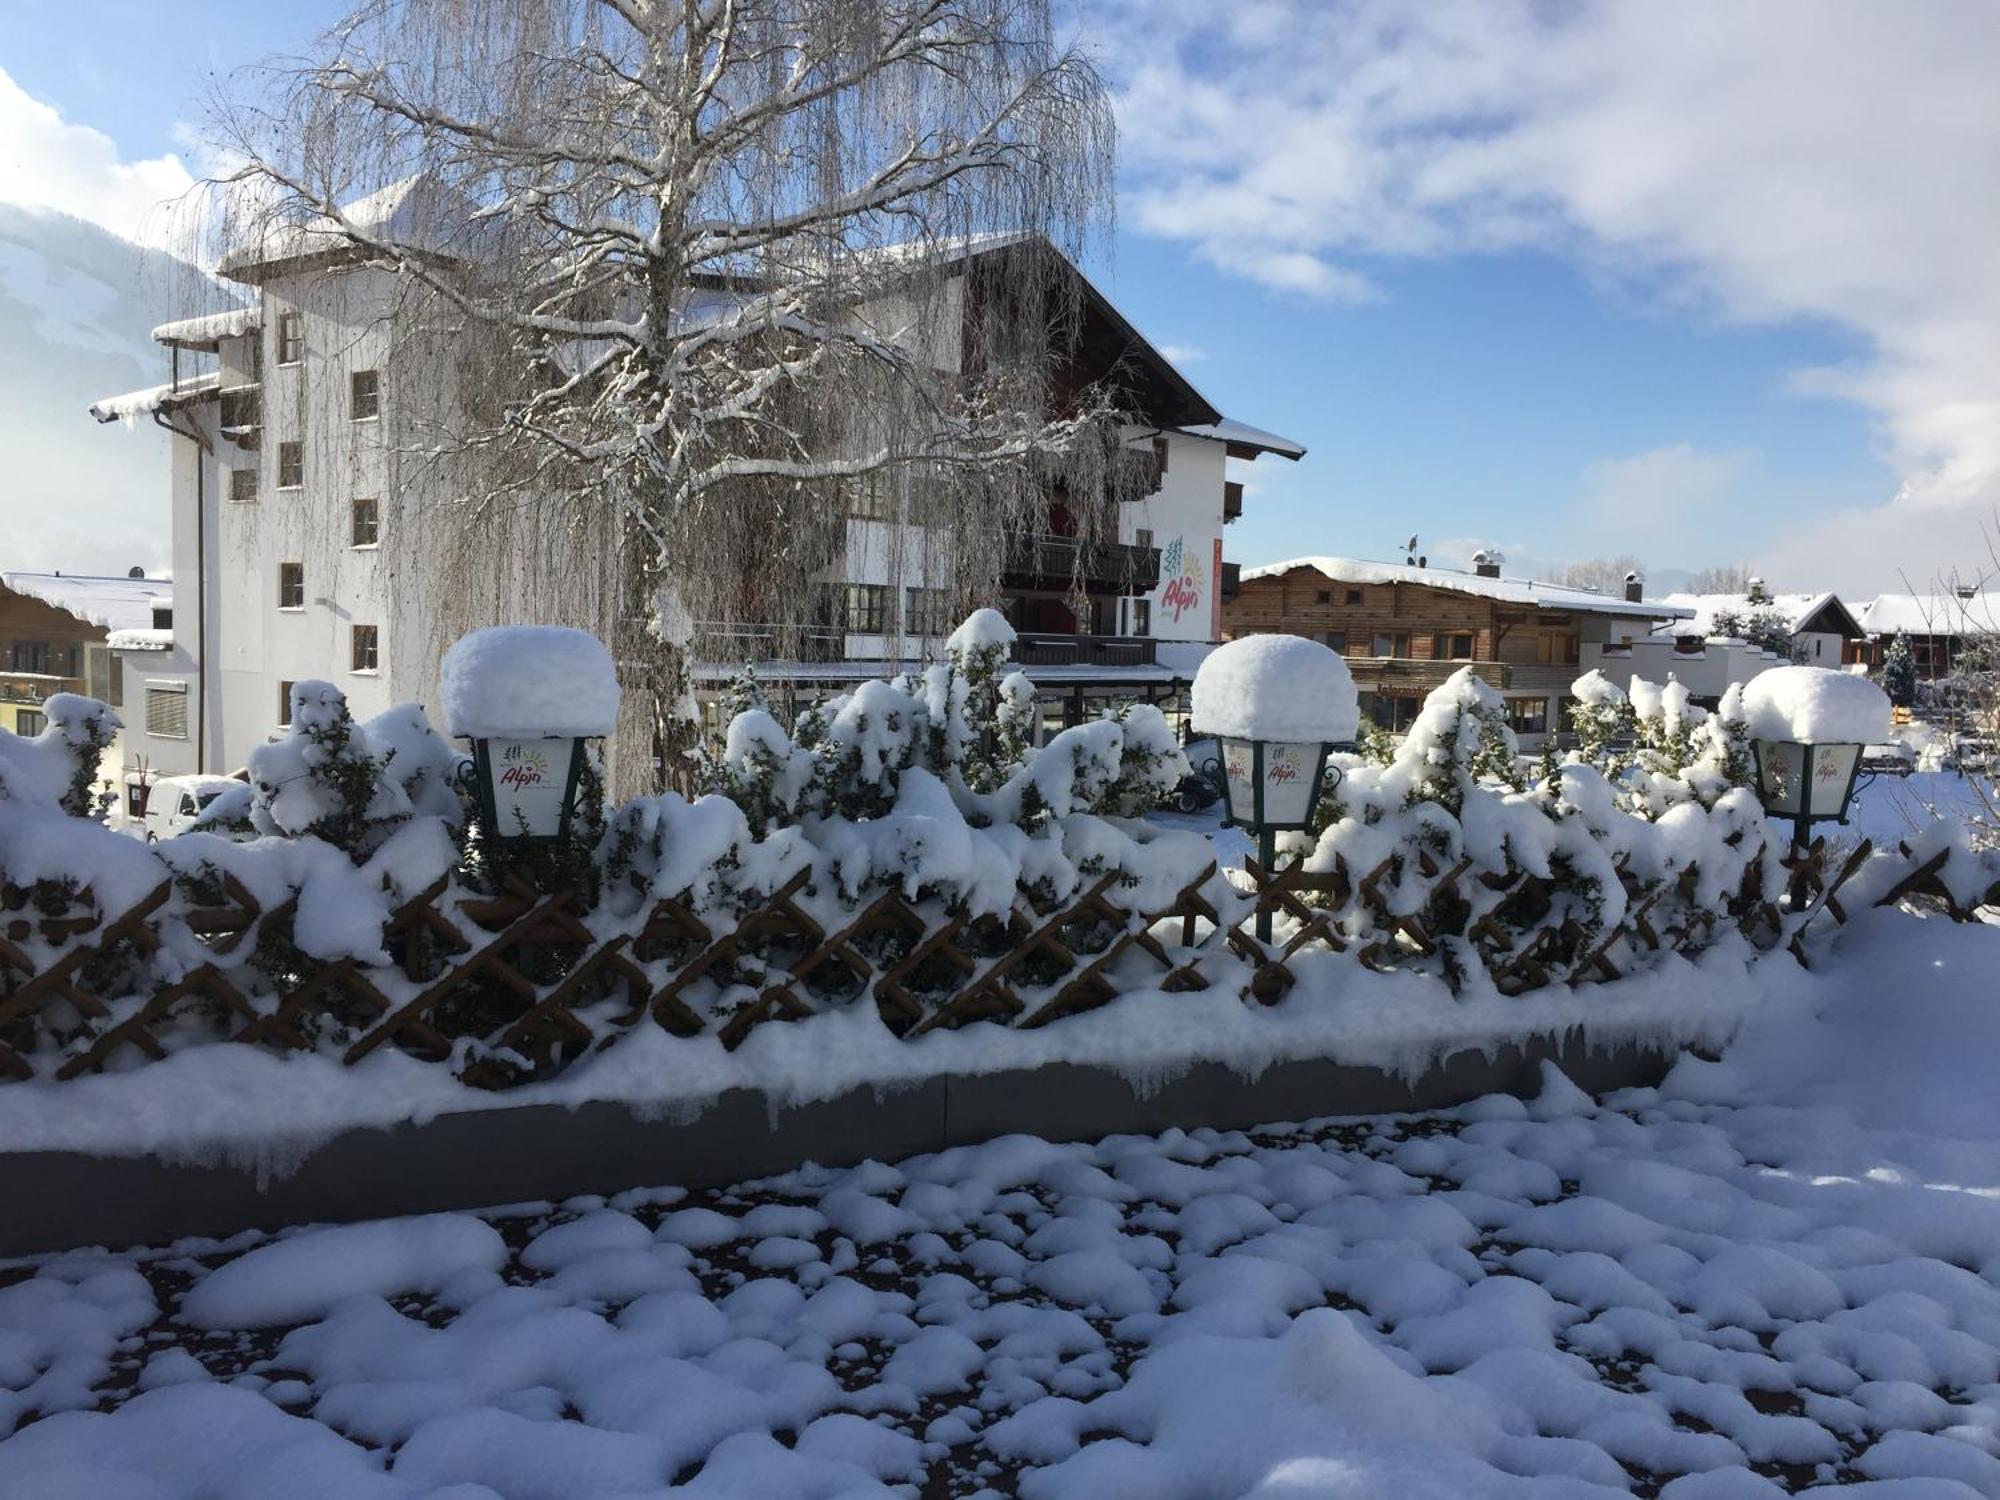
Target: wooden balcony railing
{"x": 1038, "y": 650}
{"x": 1057, "y": 560}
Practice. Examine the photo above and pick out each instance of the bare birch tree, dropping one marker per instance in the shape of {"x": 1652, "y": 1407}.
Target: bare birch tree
{"x": 693, "y": 269}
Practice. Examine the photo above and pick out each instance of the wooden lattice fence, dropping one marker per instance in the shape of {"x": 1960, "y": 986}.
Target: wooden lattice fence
{"x": 516, "y": 984}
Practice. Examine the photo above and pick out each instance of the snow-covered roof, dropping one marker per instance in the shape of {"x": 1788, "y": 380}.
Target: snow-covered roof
{"x": 1524, "y": 591}
{"x": 156, "y": 398}
{"x": 1932, "y": 614}
{"x": 1251, "y": 440}
{"x": 205, "y": 331}
{"x": 1797, "y": 608}
{"x": 141, "y": 640}
{"x": 112, "y": 603}
{"x": 417, "y": 213}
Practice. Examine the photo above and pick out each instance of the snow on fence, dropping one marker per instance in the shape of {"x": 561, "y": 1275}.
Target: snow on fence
{"x": 876, "y": 857}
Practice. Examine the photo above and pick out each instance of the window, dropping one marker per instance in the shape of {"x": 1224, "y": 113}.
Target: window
{"x": 1452, "y": 646}
{"x": 1395, "y": 712}
{"x": 1336, "y": 640}
{"x": 1392, "y": 643}
{"x": 872, "y": 497}
{"x": 364, "y": 395}
{"x": 167, "y": 710}
{"x": 30, "y": 656}
{"x": 291, "y": 465}
{"x": 864, "y": 607}
{"x": 1143, "y": 537}
{"x": 1553, "y": 648}
{"x": 284, "y": 705}
{"x": 365, "y": 522}
{"x": 30, "y": 721}
{"x": 1160, "y": 453}
{"x": 241, "y": 410}
{"x": 291, "y": 585}
{"x": 1354, "y": 596}
{"x": 927, "y": 611}
{"x": 1322, "y": 596}
{"x": 163, "y": 617}
{"x": 291, "y": 339}
{"x": 362, "y": 653}
{"x": 1528, "y": 715}
{"x": 242, "y": 485}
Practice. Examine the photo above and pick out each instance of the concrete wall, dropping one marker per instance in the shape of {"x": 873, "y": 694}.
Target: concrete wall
{"x": 60, "y": 1200}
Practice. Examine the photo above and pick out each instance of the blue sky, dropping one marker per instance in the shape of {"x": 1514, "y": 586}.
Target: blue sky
{"x": 1554, "y": 301}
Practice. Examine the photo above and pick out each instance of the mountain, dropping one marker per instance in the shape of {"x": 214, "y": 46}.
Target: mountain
{"x": 77, "y": 309}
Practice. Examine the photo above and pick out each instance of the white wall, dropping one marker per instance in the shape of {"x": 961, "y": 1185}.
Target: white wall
{"x": 1185, "y": 519}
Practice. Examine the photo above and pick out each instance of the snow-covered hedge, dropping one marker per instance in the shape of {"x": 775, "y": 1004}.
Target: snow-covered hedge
{"x": 921, "y": 797}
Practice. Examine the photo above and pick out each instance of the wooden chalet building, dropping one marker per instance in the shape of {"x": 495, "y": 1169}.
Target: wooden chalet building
{"x": 1405, "y": 628}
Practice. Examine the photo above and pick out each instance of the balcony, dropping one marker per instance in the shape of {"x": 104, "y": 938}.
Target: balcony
{"x": 1232, "y": 501}
{"x": 1105, "y": 567}
{"x": 1417, "y": 674}
{"x": 1038, "y": 650}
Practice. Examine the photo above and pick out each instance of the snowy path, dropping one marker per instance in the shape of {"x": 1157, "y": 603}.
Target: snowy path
{"x": 1778, "y": 1272}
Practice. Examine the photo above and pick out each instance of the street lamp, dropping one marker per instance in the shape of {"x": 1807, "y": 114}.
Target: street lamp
{"x": 1278, "y": 704}
{"x": 529, "y": 698}
{"x": 1808, "y": 727}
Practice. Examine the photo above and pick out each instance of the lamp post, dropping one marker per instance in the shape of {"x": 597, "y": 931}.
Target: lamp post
{"x": 529, "y": 698}
{"x": 1808, "y": 727}
{"x": 1806, "y": 781}
{"x": 1278, "y": 705}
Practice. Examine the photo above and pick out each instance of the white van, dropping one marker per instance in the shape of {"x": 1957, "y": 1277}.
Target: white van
{"x": 174, "y": 802}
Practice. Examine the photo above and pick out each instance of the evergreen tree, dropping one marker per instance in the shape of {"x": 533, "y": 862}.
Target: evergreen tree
{"x": 325, "y": 778}
{"x": 1899, "y": 672}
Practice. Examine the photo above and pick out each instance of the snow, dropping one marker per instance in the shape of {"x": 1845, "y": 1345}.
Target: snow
{"x": 1777, "y": 1273}
{"x": 1507, "y": 590}
{"x": 202, "y": 332}
{"x": 1815, "y": 705}
{"x": 1931, "y": 614}
{"x": 1243, "y": 435}
{"x": 982, "y": 630}
{"x": 140, "y": 640}
{"x": 1276, "y": 687}
{"x": 135, "y": 404}
{"x": 119, "y": 604}
{"x": 1796, "y": 608}
{"x": 529, "y": 682}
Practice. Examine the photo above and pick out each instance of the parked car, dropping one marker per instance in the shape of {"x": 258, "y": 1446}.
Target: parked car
{"x": 174, "y": 802}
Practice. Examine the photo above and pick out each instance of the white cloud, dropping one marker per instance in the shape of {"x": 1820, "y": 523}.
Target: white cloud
{"x": 48, "y": 162}
{"x": 1820, "y": 160}
{"x": 1183, "y": 354}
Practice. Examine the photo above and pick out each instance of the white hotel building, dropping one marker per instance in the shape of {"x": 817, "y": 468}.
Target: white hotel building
{"x": 307, "y": 537}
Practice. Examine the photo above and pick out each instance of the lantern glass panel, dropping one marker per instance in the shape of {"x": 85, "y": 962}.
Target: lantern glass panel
{"x": 1239, "y": 769}
{"x": 1781, "y": 776}
{"x": 1289, "y": 781}
{"x": 1832, "y": 775}
{"x": 529, "y": 781}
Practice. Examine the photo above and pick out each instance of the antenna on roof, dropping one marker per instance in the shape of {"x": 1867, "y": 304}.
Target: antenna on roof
{"x": 1410, "y": 553}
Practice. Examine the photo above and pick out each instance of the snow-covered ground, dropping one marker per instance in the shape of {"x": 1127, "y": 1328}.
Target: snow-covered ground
{"x": 1779, "y": 1271}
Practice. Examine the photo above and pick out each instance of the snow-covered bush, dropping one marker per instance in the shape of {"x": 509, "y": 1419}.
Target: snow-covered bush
{"x": 325, "y": 778}
{"x": 1565, "y": 860}
{"x": 1602, "y": 718}
{"x": 59, "y": 766}
{"x": 963, "y": 721}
